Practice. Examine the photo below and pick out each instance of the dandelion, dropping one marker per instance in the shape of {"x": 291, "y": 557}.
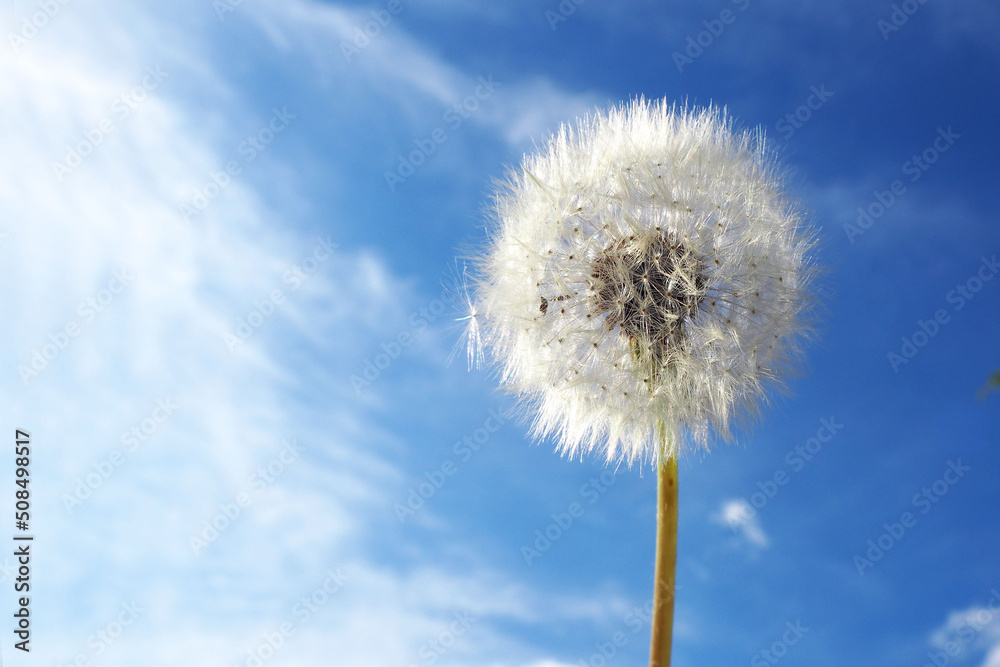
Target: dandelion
{"x": 646, "y": 287}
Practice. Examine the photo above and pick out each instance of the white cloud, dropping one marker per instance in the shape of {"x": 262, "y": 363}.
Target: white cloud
{"x": 970, "y": 632}
{"x": 161, "y": 335}
{"x": 742, "y": 519}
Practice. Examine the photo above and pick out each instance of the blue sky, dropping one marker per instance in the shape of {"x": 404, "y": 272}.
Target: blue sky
{"x": 201, "y": 248}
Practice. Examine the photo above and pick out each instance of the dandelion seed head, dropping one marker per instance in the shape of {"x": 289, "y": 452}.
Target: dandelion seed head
{"x": 646, "y": 275}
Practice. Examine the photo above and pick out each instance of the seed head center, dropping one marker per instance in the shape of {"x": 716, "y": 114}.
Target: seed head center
{"x": 649, "y": 289}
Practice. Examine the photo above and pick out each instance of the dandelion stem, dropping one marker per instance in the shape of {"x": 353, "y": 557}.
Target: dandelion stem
{"x": 666, "y": 563}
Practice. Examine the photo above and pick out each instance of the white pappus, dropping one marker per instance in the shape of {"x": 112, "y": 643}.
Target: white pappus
{"x": 646, "y": 282}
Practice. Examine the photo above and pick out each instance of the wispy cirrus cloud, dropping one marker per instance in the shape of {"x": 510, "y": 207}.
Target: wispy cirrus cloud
{"x": 395, "y": 65}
